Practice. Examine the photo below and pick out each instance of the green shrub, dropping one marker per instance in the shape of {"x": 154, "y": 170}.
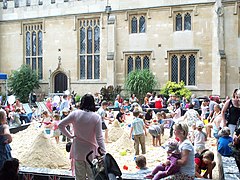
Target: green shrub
{"x": 140, "y": 82}
{"x": 178, "y": 89}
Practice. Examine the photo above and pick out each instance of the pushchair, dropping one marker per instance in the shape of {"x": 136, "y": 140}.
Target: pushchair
{"x": 104, "y": 167}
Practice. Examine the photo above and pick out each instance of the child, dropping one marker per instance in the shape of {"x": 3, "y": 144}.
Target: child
{"x": 160, "y": 118}
{"x": 155, "y": 131}
{"x": 46, "y": 121}
{"x": 142, "y": 165}
{"x": 170, "y": 167}
{"x": 223, "y": 142}
{"x": 126, "y": 107}
{"x": 199, "y": 137}
{"x": 121, "y": 115}
{"x": 205, "y": 161}
{"x": 56, "y": 131}
{"x": 102, "y": 112}
{"x": 138, "y": 129}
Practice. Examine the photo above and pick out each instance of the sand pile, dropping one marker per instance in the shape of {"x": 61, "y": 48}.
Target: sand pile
{"x": 44, "y": 154}
{"x": 33, "y": 149}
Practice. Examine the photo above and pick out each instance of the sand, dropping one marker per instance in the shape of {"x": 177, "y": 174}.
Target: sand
{"x": 33, "y": 149}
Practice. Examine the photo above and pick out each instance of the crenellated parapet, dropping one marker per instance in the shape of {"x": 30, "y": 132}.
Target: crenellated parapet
{"x": 25, "y": 9}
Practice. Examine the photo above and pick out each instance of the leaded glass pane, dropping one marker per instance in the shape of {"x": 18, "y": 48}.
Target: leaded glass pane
{"x": 138, "y": 63}
{"x": 82, "y": 40}
{"x": 89, "y": 67}
{"x": 40, "y": 69}
{"x": 134, "y": 25}
{"x": 28, "y": 44}
{"x": 16, "y": 3}
{"x": 82, "y": 67}
{"x": 178, "y": 22}
{"x": 40, "y": 43}
{"x": 34, "y": 64}
{"x": 96, "y": 39}
{"x": 28, "y": 61}
{"x": 146, "y": 62}
{"x": 96, "y": 66}
{"x": 130, "y": 64}
{"x": 34, "y": 44}
{"x": 174, "y": 69}
{"x": 142, "y": 24}
{"x": 89, "y": 40}
{"x": 183, "y": 69}
{"x": 191, "y": 70}
{"x": 187, "y": 21}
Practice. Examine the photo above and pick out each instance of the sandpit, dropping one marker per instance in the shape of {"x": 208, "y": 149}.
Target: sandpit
{"x": 34, "y": 149}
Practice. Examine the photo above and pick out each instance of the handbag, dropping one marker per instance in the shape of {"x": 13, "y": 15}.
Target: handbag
{"x": 68, "y": 146}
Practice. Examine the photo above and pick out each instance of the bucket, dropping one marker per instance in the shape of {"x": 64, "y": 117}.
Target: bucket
{"x": 205, "y": 121}
{"x": 47, "y": 131}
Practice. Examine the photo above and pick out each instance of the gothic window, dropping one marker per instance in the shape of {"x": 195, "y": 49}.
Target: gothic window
{"x": 34, "y": 47}
{"x": 183, "y": 21}
{"x": 134, "y": 27}
{"x": 89, "y": 49}
{"x": 142, "y": 24}
{"x": 187, "y": 21}
{"x": 137, "y": 62}
{"x": 182, "y": 68}
{"x": 178, "y": 22}
{"x": 138, "y": 24}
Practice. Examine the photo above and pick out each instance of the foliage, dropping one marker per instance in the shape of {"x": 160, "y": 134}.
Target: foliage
{"x": 178, "y": 89}
{"x": 23, "y": 81}
{"x": 109, "y": 93}
{"x": 140, "y": 82}
{"x": 77, "y": 98}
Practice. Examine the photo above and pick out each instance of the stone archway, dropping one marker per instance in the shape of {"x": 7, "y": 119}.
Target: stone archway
{"x": 60, "y": 82}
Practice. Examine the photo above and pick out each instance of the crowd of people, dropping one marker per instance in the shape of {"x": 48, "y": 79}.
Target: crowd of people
{"x": 191, "y": 124}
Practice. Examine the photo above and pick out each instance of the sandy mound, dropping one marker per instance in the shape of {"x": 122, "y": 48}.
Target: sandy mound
{"x": 44, "y": 154}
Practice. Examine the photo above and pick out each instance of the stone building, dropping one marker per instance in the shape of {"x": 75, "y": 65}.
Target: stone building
{"x": 83, "y": 45}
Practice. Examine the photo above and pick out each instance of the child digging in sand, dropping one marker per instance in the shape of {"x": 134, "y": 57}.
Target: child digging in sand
{"x": 155, "y": 130}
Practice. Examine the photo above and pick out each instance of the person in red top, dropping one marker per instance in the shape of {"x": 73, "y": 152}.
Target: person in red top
{"x": 205, "y": 161}
{"x": 159, "y": 102}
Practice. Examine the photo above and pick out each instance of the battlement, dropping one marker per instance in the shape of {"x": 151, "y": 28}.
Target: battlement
{"x": 25, "y": 9}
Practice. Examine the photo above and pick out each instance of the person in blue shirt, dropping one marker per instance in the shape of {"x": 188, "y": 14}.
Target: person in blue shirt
{"x": 223, "y": 142}
{"x": 138, "y": 130}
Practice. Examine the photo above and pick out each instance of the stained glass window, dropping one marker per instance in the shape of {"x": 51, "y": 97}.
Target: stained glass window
{"x": 187, "y": 21}
{"x": 142, "y": 24}
{"x": 89, "y": 49}
{"x": 134, "y": 25}
{"x": 137, "y": 62}
{"x": 179, "y": 22}
{"x": 191, "y": 70}
{"x": 174, "y": 69}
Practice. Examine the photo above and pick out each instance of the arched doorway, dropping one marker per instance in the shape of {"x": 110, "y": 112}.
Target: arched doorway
{"x": 60, "y": 82}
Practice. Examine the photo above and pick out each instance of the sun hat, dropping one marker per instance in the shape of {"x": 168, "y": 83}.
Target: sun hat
{"x": 199, "y": 124}
{"x": 172, "y": 145}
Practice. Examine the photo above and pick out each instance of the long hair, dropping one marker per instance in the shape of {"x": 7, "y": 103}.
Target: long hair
{"x": 87, "y": 103}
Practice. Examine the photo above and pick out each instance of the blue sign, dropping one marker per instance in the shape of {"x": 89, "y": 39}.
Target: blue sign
{"x": 3, "y": 76}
